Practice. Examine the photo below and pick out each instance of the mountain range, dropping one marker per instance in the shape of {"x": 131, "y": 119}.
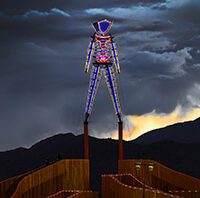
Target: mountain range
{"x": 187, "y": 132}
{"x": 175, "y": 146}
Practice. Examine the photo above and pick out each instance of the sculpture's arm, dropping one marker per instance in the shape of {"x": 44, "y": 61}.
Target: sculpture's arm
{"x": 89, "y": 55}
{"x": 115, "y": 56}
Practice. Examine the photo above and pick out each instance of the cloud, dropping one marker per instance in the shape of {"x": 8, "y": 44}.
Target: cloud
{"x": 13, "y": 7}
{"x": 134, "y": 12}
{"x": 197, "y": 65}
{"x": 58, "y": 11}
{"x": 156, "y": 65}
{"x": 34, "y": 13}
{"x": 137, "y": 125}
{"x": 42, "y": 54}
{"x": 146, "y": 41}
{"x": 151, "y": 121}
{"x": 37, "y": 13}
{"x": 182, "y": 12}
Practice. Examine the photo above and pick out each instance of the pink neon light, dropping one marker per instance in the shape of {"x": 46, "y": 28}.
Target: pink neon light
{"x": 127, "y": 186}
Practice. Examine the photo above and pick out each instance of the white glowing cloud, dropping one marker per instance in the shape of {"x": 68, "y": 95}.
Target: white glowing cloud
{"x": 152, "y": 39}
{"x": 35, "y": 13}
{"x": 174, "y": 60}
{"x": 61, "y": 12}
{"x": 38, "y": 13}
{"x": 140, "y": 124}
{"x": 197, "y": 65}
{"x": 136, "y": 12}
{"x": 150, "y": 121}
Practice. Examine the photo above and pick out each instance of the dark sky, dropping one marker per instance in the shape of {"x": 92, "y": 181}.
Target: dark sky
{"x": 43, "y": 47}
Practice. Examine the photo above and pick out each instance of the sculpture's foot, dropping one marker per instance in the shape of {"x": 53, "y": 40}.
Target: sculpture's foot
{"x": 119, "y": 117}
{"x": 86, "y": 117}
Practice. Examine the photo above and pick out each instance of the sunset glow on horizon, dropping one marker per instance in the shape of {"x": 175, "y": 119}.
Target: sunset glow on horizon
{"x": 151, "y": 121}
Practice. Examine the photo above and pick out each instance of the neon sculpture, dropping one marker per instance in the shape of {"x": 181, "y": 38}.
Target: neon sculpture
{"x": 102, "y": 50}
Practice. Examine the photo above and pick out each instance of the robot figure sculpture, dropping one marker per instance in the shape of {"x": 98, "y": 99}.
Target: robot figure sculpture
{"x": 102, "y": 49}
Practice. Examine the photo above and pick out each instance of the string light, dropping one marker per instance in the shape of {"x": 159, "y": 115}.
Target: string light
{"x": 102, "y": 49}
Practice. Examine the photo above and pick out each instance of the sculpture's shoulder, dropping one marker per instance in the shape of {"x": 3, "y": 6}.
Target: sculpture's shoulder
{"x": 99, "y": 38}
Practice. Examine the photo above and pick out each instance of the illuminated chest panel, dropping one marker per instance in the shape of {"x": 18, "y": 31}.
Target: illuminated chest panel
{"x": 103, "y": 49}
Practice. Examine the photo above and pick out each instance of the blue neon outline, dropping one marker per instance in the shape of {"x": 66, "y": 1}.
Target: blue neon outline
{"x": 99, "y": 22}
{"x": 98, "y": 78}
{"x": 95, "y": 75}
{"x": 89, "y": 55}
{"x": 116, "y": 62}
{"x": 113, "y": 92}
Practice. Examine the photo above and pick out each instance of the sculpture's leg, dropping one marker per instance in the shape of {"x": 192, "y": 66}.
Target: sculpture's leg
{"x": 93, "y": 86}
{"x": 112, "y": 87}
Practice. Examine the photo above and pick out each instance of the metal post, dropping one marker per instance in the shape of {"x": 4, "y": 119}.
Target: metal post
{"x": 120, "y": 128}
{"x": 86, "y": 149}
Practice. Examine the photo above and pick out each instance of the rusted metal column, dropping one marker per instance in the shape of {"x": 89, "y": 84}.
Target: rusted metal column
{"x": 120, "y": 129}
{"x": 86, "y": 148}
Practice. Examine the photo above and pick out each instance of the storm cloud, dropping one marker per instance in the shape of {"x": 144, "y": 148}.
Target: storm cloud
{"x": 43, "y": 48}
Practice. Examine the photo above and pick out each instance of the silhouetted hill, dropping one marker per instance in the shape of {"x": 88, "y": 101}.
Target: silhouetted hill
{"x": 187, "y": 132}
{"x": 103, "y": 155}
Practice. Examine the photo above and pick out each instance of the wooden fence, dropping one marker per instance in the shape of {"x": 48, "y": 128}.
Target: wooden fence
{"x": 8, "y": 187}
{"x": 74, "y": 194}
{"x": 69, "y": 174}
{"x": 186, "y": 193}
{"x": 161, "y": 177}
{"x": 112, "y": 187}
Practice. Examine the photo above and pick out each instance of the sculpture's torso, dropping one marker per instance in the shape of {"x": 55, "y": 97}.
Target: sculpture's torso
{"x": 102, "y": 49}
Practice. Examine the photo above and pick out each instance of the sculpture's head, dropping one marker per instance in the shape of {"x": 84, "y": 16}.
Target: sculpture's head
{"x": 102, "y": 27}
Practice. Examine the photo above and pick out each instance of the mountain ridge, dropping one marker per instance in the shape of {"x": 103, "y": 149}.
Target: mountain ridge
{"x": 185, "y": 132}
{"x": 103, "y": 154}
